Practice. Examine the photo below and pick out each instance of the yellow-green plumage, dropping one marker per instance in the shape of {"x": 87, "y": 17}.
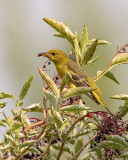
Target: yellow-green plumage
{"x": 79, "y": 77}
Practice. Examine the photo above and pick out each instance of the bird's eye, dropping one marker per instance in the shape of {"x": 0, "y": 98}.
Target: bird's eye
{"x": 53, "y": 54}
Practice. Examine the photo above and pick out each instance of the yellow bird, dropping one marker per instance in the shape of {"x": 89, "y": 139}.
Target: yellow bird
{"x": 79, "y": 77}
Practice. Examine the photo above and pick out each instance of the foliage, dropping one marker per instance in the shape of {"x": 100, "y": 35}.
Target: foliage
{"x": 66, "y": 120}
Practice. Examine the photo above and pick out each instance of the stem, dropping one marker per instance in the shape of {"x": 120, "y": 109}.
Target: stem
{"x": 79, "y": 152}
{"x": 33, "y": 125}
{"x": 64, "y": 139}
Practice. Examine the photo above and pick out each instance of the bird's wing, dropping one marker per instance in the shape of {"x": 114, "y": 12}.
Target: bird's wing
{"x": 80, "y": 78}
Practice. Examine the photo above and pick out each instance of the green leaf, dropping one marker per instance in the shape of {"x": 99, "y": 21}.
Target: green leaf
{"x": 10, "y": 122}
{"x": 78, "y": 144}
{"x": 25, "y": 120}
{"x": 111, "y": 76}
{"x": 94, "y": 60}
{"x": 58, "y": 35}
{"x": 33, "y": 108}
{"x": 10, "y": 139}
{"x": 50, "y": 97}
{"x": 65, "y": 149}
{"x": 84, "y": 39}
{"x": 89, "y": 52}
{"x": 62, "y": 28}
{"x": 105, "y": 144}
{"x": 99, "y": 153}
{"x": 124, "y": 155}
{"x": 77, "y": 91}
{"x": 16, "y": 125}
{"x": 49, "y": 82}
{"x": 120, "y": 59}
{"x": 2, "y": 123}
{"x": 117, "y": 139}
{"x": 25, "y": 88}
{"x": 65, "y": 81}
{"x": 6, "y": 95}
{"x": 120, "y": 97}
{"x": 86, "y": 132}
{"x": 65, "y": 124}
{"x": 27, "y": 143}
{"x": 2, "y": 104}
{"x": 77, "y": 48}
{"x": 58, "y": 120}
{"x": 5, "y": 147}
{"x": 85, "y": 157}
{"x": 123, "y": 110}
{"x": 103, "y": 42}
{"x": 73, "y": 108}
{"x": 32, "y": 149}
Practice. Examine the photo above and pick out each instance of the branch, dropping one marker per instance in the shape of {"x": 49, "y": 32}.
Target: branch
{"x": 64, "y": 139}
{"x": 79, "y": 152}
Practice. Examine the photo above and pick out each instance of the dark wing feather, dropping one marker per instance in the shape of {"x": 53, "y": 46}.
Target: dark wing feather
{"x": 79, "y": 77}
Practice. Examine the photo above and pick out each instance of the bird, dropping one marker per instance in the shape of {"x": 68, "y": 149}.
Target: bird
{"x": 79, "y": 78}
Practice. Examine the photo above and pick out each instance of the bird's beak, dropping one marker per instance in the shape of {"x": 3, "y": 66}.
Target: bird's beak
{"x": 44, "y": 54}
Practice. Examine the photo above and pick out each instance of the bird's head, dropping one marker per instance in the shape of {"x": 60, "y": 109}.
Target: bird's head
{"x": 56, "y": 56}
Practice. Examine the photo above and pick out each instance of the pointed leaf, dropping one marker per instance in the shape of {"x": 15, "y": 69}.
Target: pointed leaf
{"x": 5, "y": 147}
{"x": 25, "y": 120}
{"x": 99, "y": 153}
{"x": 58, "y": 35}
{"x": 58, "y": 120}
{"x": 77, "y": 48}
{"x": 49, "y": 82}
{"x": 89, "y": 51}
{"x": 120, "y": 97}
{"x": 84, "y": 39}
{"x": 32, "y": 149}
{"x": 2, "y": 124}
{"x": 62, "y": 28}
{"x": 103, "y": 42}
{"x": 6, "y": 95}
{"x": 33, "y": 108}
{"x": 65, "y": 149}
{"x": 77, "y": 91}
{"x": 10, "y": 139}
{"x": 2, "y": 104}
{"x": 124, "y": 155}
{"x": 123, "y": 110}
{"x": 105, "y": 144}
{"x": 78, "y": 144}
{"x": 10, "y": 122}
{"x": 85, "y": 157}
{"x": 27, "y": 143}
{"x": 65, "y": 124}
{"x": 73, "y": 108}
{"x": 50, "y": 97}
{"x": 117, "y": 139}
{"x": 16, "y": 125}
{"x": 65, "y": 81}
{"x": 94, "y": 60}
{"x": 25, "y": 88}
{"x": 111, "y": 76}
{"x": 120, "y": 59}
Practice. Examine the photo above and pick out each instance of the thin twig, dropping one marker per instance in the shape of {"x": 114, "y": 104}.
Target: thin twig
{"x": 64, "y": 139}
{"x": 33, "y": 125}
{"x": 82, "y": 148}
